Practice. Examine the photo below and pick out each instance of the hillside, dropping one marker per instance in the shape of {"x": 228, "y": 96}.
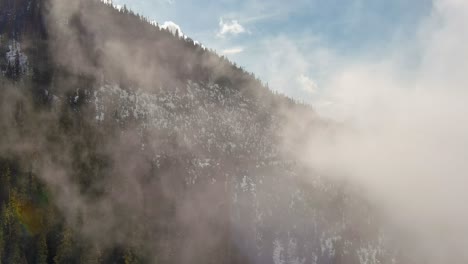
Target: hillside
{"x": 124, "y": 143}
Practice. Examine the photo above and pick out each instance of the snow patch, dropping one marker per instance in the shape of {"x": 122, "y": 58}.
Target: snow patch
{"x": 278, "y": 252}
{"x": 14, "y": 55}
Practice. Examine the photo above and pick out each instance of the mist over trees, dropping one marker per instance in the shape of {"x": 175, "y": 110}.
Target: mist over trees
{"x": 125, "y": 143}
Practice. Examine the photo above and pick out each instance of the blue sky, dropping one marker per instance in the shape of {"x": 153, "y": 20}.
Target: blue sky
{"x": 295, "y": 45}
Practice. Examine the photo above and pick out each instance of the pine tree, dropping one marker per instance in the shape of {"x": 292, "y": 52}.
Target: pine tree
{"x": 11, "y": 227}
{"x": 65, "y": 249}
{"x": 17, "y": 66}
{"x": 9, "y": 71}
{"x": 2, "y": 242}
{"x": 130, "y": 257}
{"x": 42, "y": 250}
{"x": 91, "y": 255}
{"x": 5, "y": 179}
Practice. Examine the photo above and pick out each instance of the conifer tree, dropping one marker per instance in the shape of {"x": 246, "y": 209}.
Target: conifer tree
{"x": 5, "y": 178}
{"x": 65, "y": 249}
{"x": 2, "y": 241}
{"x": 17, "y": 66}
{"x": 91, "y": 255}
{"x": 11, "y": 233}
{"x": 42, "y": 250}
{"x": 130, "y": 257}
{"x": 9, "y": 73}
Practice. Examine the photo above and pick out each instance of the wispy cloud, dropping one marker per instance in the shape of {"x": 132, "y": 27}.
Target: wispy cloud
{"x": 232, "y": 51}
{"x": 406, "y": 139}
{"x": 230, "y": 28}
{"x": 261, "y": 17}
{"x": 296, "y": 67}
{"x": 307, "y": 84}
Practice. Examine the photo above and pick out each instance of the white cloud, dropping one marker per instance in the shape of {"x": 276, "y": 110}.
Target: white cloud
{"x": 200, "y": 44}
{"x": 406, "y": 141}
{"x": 230, "y": 28}
{"x": 407, "y": 118}
{"x": 172, "y": 27}
{"x": 289, "y": 64}
{"x": 257, "y": 18}
{"x": 281, "y": 61}
{"x": 307, "y": 84}
{"x": 232, "y": 51}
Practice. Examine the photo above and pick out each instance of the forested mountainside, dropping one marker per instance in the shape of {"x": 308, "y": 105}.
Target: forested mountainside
{"x": 124, "y": 143}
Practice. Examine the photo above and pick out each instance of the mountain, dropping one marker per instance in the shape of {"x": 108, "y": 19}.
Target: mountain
{"x": 124, "y": 143}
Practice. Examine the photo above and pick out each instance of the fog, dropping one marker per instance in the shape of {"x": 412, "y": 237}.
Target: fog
{"x": 396, "y": 126}
{"x": 401, "y": 132}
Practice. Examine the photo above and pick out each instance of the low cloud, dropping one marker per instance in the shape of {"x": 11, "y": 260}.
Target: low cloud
{"x": 403, "y": 133}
